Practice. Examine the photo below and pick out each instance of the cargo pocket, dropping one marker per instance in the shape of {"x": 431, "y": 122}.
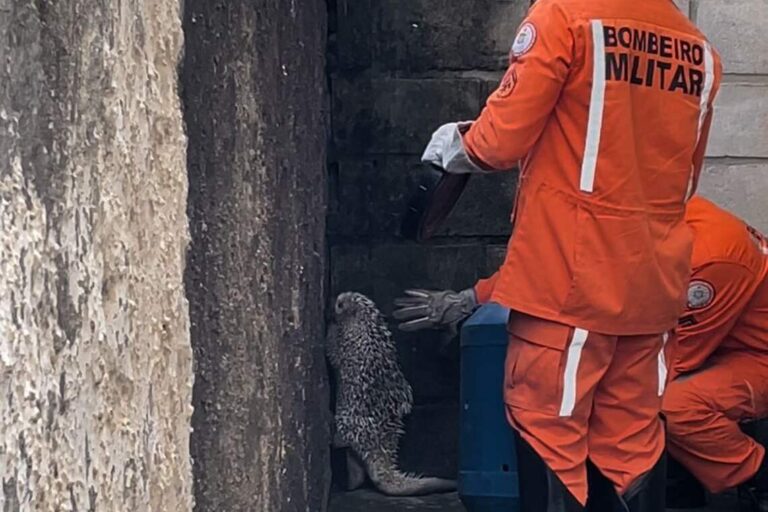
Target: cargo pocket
{"x": 536, "y": 359}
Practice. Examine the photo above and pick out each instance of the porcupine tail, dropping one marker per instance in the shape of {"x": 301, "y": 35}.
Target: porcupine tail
{"x": 391, "y": 481}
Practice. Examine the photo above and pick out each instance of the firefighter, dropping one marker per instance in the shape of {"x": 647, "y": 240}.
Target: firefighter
{"x": 718, "y": 356}
{"x": 606, "y": 108}
{"x": 719, "y": 365}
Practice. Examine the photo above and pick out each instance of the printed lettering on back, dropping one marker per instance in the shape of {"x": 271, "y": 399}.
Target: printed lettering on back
{"x": 650, "y": 59}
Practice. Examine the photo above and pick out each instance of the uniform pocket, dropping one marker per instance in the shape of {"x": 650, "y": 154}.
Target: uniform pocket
{"x": 535, "y": 364}
{"x": 627, "y": 267}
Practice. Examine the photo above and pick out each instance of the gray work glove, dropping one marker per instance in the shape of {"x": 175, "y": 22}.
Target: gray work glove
{"x": 425, "y": 309}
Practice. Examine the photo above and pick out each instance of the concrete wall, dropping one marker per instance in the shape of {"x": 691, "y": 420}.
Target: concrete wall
{"x": 400, "y": 68}
{"x": 397, "y": 73}
{"x": 254, "y": 91}
{"x": 95, "y": 356}
{"x": 736, "y": 174}
{"x": 96, "y": 381}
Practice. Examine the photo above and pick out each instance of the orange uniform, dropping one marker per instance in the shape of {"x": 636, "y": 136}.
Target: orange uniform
{"x": 607, "y": 105}
{"x": 609, "y": 111}
{"x": 599, "y": 388}
{"x": 721, "y": 353}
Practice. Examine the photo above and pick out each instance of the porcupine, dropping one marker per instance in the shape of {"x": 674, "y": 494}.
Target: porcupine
{"x": 372, "y": 398}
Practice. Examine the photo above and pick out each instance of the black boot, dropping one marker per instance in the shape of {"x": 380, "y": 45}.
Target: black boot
{"x": 540, "y": 489}
{"x": 751, "y": 499}
{"x": 602, "y": 493}
{"x": 755, "y": 492}
{"x": 683, "y": 490}
{"x": 646, "y": 495}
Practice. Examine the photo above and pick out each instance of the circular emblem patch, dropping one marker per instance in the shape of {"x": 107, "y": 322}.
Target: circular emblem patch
{"x": 525, "y": 39}
{"x": 508, "y": 84}
{"x": 700, "y": 294}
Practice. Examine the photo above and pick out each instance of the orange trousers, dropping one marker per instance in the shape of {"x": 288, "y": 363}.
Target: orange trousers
{"x": 574, "y": 394}
{"x": 703, "y": 411}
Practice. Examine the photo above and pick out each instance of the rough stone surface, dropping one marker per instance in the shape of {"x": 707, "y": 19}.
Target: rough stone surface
{"x": 495, "y": 255}
{"x": 398, "y": 115}
{"x": 255, "y": 103}
{"x": 740, "y": 131}
{"x": 737, "y": 29}
{"x": 422, "y": 35}
{"x": 368, "y": 197}
{"x": 740, "y": 126}
{"x": 684, "y": 6}
{"x": 430, "y": 443}
{"x": 95, "y": 356}
{"x": 740, "y": 187}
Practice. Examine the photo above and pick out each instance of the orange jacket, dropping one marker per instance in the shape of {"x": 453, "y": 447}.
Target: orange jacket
{"x": 728, "y": 294}
{"x": 727, "y": 307}
{"x": 608, "y": 104}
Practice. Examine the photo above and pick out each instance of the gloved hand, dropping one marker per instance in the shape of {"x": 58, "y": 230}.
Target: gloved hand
{"x": 446, "y": 149}
{"x": 425, "y": 309}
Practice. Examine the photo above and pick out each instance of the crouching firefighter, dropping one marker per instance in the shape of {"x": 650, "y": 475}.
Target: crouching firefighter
{"x": 719, "y": 363}
{"x": 609, "y": 148}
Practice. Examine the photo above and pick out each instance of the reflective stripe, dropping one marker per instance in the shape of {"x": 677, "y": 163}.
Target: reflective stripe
{"x": 706, "y": 92}
{"x": 663, "y": 364}
{"x": 571, "y": 369}
{"x": 597, "y": 100}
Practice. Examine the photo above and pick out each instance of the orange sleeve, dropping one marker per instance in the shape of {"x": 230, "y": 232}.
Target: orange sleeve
{"x": 484, "y": 288}
{"x": 701, "y": 146}
{"x": 516, "y": 113}
{"x": 717, "y": 294}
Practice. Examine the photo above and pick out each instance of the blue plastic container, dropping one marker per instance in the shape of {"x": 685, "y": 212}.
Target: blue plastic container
{"x": 487, "y": 459}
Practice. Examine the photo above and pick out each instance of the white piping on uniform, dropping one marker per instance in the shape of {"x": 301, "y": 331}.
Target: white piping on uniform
{"x": 663, "y": 364}
{"x": 709, "y": 80}
{"x": 571, "y": 369}
{"x": 596, "y": 104}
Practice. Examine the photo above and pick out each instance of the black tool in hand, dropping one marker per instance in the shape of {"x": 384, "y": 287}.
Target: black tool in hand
{"x": 435, "y": 197}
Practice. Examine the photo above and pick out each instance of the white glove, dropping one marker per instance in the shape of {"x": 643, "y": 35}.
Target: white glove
{"x": 446, "y": 150}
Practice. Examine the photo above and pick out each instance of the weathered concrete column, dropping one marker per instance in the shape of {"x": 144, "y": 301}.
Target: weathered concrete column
{"x": 95, "y": 357}
{"x": 254, "y": 93}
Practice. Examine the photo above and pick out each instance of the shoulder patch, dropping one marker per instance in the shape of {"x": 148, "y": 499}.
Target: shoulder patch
{"x": 525, "y": 39}
{"x": 700, "y": 294}
{"x": 508, "y": 83}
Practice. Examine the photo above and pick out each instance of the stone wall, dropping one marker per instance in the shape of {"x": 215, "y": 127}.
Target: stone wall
{"x": 95, "y": 356}
{"x": 254, "y": 90}
{"x": 736, "y": 173}
{"x": 400, "y": 68}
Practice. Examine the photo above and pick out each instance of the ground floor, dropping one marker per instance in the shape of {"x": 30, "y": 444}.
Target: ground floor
{"x": 369, "y": 501}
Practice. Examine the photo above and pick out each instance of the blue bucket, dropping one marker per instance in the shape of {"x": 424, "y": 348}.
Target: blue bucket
{"x": 487, "y": 460}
